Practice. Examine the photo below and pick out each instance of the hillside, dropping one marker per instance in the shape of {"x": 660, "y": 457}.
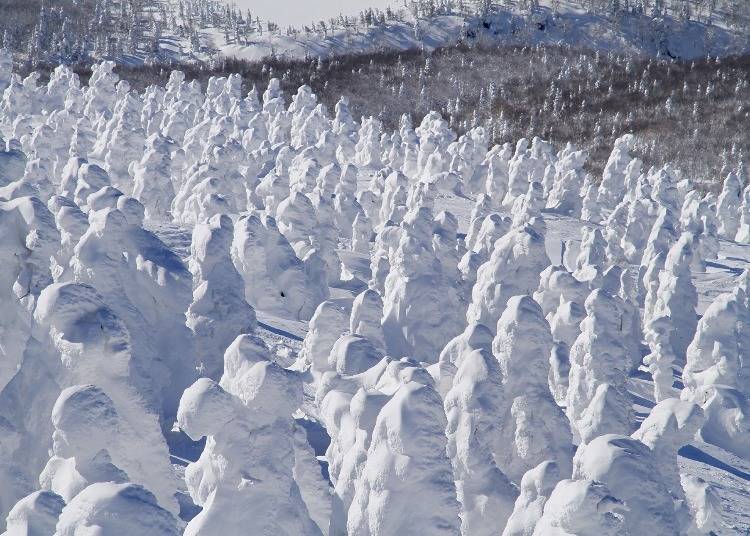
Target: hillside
{"x": 346, "y": 311}
{"x": 164, "y": 31}
{"x": 625, "y": 31}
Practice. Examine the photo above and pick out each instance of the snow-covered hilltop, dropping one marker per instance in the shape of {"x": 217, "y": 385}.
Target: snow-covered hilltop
{"x": 231, "y": 313}
{"x": 160, "y": 31}
{"x": 623, "y": 27}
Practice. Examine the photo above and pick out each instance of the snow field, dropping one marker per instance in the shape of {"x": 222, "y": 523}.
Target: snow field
{"x": 353, "y": 319}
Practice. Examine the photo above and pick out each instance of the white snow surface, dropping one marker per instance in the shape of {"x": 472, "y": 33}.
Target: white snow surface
{"x": 300, "y": 12}
{"x": 198, "y": 339}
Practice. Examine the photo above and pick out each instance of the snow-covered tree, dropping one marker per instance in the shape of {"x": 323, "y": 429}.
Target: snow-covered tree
{"x": 247, "y": 465}
{"x": 419, "y": 313}
{"x": 474, "y": 407}
{"x": 513, "y": 269}
{"x": 632, "y": 471}
{"x": 676, "y": 296}
{"x": 529, "y": 413}
{"x": 407, "y": 484}
{"x": 598, "y": 401}
{"x": 219, "y": 312}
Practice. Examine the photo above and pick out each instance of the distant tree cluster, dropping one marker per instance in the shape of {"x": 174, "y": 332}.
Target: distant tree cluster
{"x": 77, "y": 31}
{"x": 735, "y": 12}
{"x": 72, "y": 30}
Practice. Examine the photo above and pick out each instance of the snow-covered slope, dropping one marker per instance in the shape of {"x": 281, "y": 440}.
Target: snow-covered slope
{"x": 297, "y": 13}
{"x": 229, "y": 313}
{"x": 161, "y": 31}
{"x": 565, "y": 23}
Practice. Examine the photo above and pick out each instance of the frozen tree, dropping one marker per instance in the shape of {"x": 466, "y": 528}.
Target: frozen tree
{"x": 122, "y": 141}
{"x": 598, "y": 401}
{"x": 28, "y": 245}
{"x": 727, "y": 418}
{"x": 489, "y": 230}
{"x": 700, "y": 222}
{"x": 661, "y": 358}
{"x": 219, "y": 312}
{"x": 559, "y": 371}
{"x": 474, "y": 406}
{"x": 670, "y": 425}
{"x": 676, "y": 297}
{"x": 393, "y": 204}
{"x": 496, "y": 185}
{"x": 513, "y": 269}
{"x": 149, "y": 288}
{"x": 520, "y": 172}
{"x": 564, "y": 196}
{"x": 406, "y": 485}
{"x": 728, "y": 205}
{"x": 640, "y": 220}
{"x": 530, "y": 415}
{"x": 612, "y": 187}
{"x": 493, "y": 226}
{"x": 247, "y": 464}
{"x": 353, "y": 354}
{"x": 35, "y": 515}
{"x": 590, "y": 209}
{"x": 537, "y": 485}
{"x": 298, "y": 221}
{"x": 482, "y": 208}
{"x": 361, "y": 232}
{"x": 419, "y": 313}
{"x": 70, "y": 353}
{"x": 93, "y": 443}
{"x": 561, "y": 296}
{"x": 663, "y": 234}
{"x": 386, "y": 242}
{"x": 91, "y": 178}
{"x": 581, "y": 508}
{"x": 152, "y": 181}
{"x": 632, "y": 471}
{"x": 615, "y": 226}
{"x": 650, "y": 282}
{"x": 276, "y": 280}
{"x": 743, "y": 229}
{"x": 704, "y": 503}
{"x": 328, "y": 323}
{"x": 350, "y": 419}
{"x": 367, "y": 310}
{"x": 474, "y": 337}
{"x": 715, "y": 355}
{"x": 118, "y": 509}
{"x": 715, "y": 372}
{"x": 346, "y": 208}
{"x": 592, "y": 257}
{"x": 529, "y": 206}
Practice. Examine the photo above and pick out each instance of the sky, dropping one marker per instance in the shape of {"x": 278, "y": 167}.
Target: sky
{"x": 300, "y": 12}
